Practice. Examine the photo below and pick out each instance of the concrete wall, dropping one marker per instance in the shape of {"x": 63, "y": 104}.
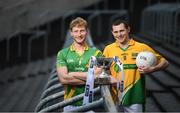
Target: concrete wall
{"x": 19, "y": 15}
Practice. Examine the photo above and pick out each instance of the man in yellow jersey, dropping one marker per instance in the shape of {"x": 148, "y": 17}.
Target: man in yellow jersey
{"x": 126, "y": 49}
{"x": 72, "y": 62}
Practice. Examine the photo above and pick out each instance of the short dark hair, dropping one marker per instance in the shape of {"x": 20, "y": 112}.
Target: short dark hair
{"x": 120, "y": 21}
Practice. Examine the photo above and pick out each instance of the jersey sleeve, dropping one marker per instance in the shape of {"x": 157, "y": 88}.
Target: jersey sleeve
{"x": 60, "y": 60}
{"x": 105, "y": 52}
{"x": 98, "y": 53}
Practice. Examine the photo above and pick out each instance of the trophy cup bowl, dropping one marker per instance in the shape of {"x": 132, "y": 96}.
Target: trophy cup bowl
{"x": 103, "y": 78}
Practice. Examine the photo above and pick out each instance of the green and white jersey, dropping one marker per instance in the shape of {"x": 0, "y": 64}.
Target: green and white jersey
{"x": 75, "y": 63}
{"x": 134, "y": 82}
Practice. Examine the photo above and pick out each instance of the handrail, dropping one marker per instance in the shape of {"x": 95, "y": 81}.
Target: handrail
{"x": 48, "y": 99}
{"x": 66, "y": 102}
{"x": 54, "y": 80}
{"x": 52, "y": 88}
{"x": 89, "y": 106}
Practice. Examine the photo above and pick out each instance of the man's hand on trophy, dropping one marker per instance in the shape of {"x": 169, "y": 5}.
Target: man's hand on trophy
{"x": 97, "y": 71}
{"x": 113, "y": 80}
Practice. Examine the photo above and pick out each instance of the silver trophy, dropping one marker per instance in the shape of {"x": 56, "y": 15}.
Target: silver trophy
{"x": 104, "y": 63}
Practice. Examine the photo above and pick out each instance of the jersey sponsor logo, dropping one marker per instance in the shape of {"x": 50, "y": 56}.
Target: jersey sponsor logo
{"x": 79, "y": 69}
{"x": 124, "y": 57}
{"x": 134, "y": 55}
{"x": 124, "y": 54}
{"x": 60, "y": 62}
{"x": 70, "y": 60}
{"x": 129, "y": 66}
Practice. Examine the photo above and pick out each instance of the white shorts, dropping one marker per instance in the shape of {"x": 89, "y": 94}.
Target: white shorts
{"x": 69, "y": 108}
{"x": 134, "y": 108}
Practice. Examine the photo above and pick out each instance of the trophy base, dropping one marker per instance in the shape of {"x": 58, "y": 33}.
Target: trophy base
{"x": 102, "y": 81}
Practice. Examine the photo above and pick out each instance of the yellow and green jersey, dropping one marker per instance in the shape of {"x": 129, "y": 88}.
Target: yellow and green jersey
{"x": 75, "y": 63}
{"x": 134, "y": 82}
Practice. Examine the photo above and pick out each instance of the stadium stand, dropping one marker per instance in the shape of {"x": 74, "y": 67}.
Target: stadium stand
{"x": 27, "y": 62}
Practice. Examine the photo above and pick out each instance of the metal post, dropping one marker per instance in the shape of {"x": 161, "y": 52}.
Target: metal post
{"x": 131, "y": 6}
{"x": 176, "y": 25}
{"x": 7, "y": 49}
{"x": 29, "y": 50}
{"x": 148, "y": 2}
{"x": 108, "y": 101}
{"x": 106, "y": 4}
{"x": 99, "y": 22}
{"x": 45, "y": 44}
{"x": 19, "y": 46}
{"x": 121, "y": 4}
{"x": 63, "y": 26}
{"x": 46, "y": 40}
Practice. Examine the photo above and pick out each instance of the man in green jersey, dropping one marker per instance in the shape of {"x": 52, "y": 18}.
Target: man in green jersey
{"x": 72, "y": 62}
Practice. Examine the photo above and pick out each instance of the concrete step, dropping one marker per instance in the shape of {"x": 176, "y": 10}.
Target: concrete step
{"x": 153, "y": 85}
{"x": 28, "y": 95}
{"x": 8, "y": 93}
{"x": 165, "y": 79}
{"x": 36, "y": 97}
{"x": 17, "y": 95}
{"x": 151, "y": 105}
{"x": 167, "y": 101}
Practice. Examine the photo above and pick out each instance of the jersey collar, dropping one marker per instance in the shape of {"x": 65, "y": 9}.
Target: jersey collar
{"x": 73, "y": 49}
{"x": 131, "y": 43}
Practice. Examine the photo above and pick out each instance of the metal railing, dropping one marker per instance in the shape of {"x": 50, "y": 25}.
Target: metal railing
{"x": 35, "y": 35}
{"x": 38, "y": 34}
{"x": 161, "y": 21}
{"x": 43, "y": 106}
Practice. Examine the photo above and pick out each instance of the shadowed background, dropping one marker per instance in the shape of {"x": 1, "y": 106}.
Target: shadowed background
{"x": 33, "y": 31}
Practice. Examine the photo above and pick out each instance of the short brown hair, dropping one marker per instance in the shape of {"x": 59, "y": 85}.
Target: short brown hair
{"x": 78, "y": 22}
{"x": 119, "y": 21}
